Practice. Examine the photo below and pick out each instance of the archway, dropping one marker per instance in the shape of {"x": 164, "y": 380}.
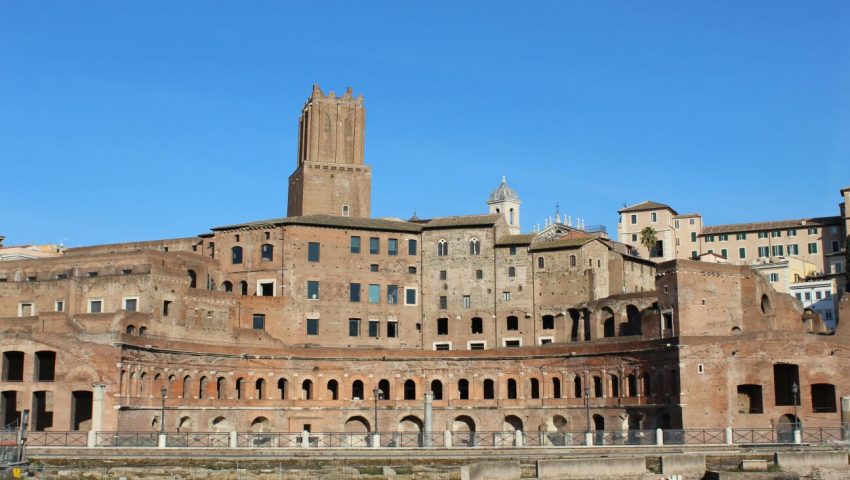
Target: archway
{"x": 220, "y": 424}
{"x": 608, "y": 325}
{"x": 410, "y": 423}
{"x": 260, "y": 424}
{"x": 357, "y": 424}
{"x": 463, "y": 431}
{"x": 634, "y": 320}
{"x": 512, "y": 423}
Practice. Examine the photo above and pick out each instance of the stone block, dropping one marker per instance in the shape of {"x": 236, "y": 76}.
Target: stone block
{"x": 590, "y": 467}
{"x": 502, "y": 470}
{"x": 681, "y": 464}
{"x": 807, "y": 460}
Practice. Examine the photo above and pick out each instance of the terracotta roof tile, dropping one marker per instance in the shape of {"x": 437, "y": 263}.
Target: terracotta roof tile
{"x": 647, "y": 205}
{"x": 513, "y": 240}
{"x": 774, "y": 225}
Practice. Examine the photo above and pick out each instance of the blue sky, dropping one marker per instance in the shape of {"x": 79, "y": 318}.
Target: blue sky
{"x": 128, "y": 121}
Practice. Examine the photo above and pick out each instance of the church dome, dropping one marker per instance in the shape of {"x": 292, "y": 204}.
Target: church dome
{"x": 503, "y": 193}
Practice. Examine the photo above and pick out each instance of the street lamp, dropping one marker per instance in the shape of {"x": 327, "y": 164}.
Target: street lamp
{"x": 587, "y": 407}
{"x": 794, "y": 390}
{"x": 163, "y": 392}
{"x": 377, "y": 394}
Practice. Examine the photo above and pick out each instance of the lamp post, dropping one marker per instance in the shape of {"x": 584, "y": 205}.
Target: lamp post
{"x": 163, "y": 392}
{"x": 377, "y": 394}
{"x": 794, "y": 390}
{"x": 587, "y": 408}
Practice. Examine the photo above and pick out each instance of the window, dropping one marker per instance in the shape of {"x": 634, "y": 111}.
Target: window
{"x": 267, "y": 252}
{"x": 373, "y": 267}
{"x": 392, "y": 246}
{"x": 792, "y": 232}
{"x": 489, "y": 389}
{"x": 741, "y": 236}
{"x": 26, "y": 310}
{"x": 355, "y": 244}
{"x": 764, "y": 251}
{"x": 742, "y": 252}
{"x": 818, "y": 295}
{"x": 442, "y": 326}
{"x": 443, "y": 346}
{"x": 312, "y": 326}
{"x": 512, "y": 271}
{"x": 477, "y": 345}
{"x": 634, "y": 237}
{"x": 477, "y": 325}
{"x": 353, "y": 327}
{"x": 548, "y": 322}
{"x": 823, "y": 398}
{"x": 165, "y": 307}
{"x": 813, "y": 247}
{"x": 443, "y": 275}
{"x": 90, "y": 274}
{"x": 412, "y": 247}
{"x": 506, "y": 296}
{"x": 540, "y": 262}
{"x": 694, "y": 254}
{"x": 724, "y": 253}
{"x": 374, "y": 245}
{"x": 411, "y": 269}
{"x": 265, "y": 288}
{"x": 773, "y": 277}
{"x": 834, "y": 246}
{"x": 653, "y": 217}
{"x": 775, "y": 233}
{"x": 512, "y": 323}
{"x": 442, "y": 248}
{"x": 474, "y": 247}
{"x": 313, "y": 249}
{"x": 512, "y": 251}
{"x": 762, "y": 235}
{"x": 392, "y": 294}
{"x": 60, "y": 305}
{"x": 13, "y": 367}
{"x": 676, "y": 224}
{"x": 354, "y": 292}
{"x": 634, "y": 219}
{"x": 131, "y": 304}
{"x": 345, "y": 210}
{"x": 778, "y": 250}
{"x": 410, "y": 296}
{"x": 513, "y": 342}
{"x": 259, "y": 321}
{"x": 312, "y": 289}
{"x": 793, "y": 249}
{"x": 750, "y": 399}
{"x": 95, "y": 306}
{"x": 236, "y": 255}
{"x": 784, "y": 376}
{"x": 374, "y": 328}
{"x": 374, "y": 293}
{"x": 467, "y": 301}
{"x": 45, "y": 366}
{"x": 392, "y": 328}
{"x": 444, "y": 303}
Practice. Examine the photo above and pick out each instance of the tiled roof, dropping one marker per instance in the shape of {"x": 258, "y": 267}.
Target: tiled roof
{"x": 563, "y": 244}
{"x": 647, "y": 205}
{"x": 330, "y": 221}
{"x": 485, "y": 220}
{"x": 775, "y": 225}
{"x": 511, "y": 240}
{"x": 686, "y": 215}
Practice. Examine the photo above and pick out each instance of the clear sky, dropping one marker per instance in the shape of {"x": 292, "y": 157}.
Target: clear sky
{"x": 126, "y": 121}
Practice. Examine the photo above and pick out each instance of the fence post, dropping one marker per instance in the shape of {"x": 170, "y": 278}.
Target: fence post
{"x": 233, "y": 442}
{"x": 91, "y": 439}
{"x": 798, "y": 436}
{"x": 305, "y": 439}
{"x": 160, "y": 440}
{"x": 588, "y": 439}
{"x": 659, "y": 436}
{"x": 376, "y": 440}
{"x": 728, "y": 435}
{"x": 518, "y": 440}
{"x": 447, "y": 438}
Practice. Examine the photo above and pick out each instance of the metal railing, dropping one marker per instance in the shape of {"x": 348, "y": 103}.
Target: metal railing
{"x": 269, "y": 440}
{"x": 126, "y": 439}
{"x": 57, "y": 439}
{"x": 716, "y": 436}
{"x": 198, "y": 440}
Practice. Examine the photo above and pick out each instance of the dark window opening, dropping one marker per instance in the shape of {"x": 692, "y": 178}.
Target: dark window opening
{"x": 259, "y": 321}
{"x": 236, "y": 255}
{"x": 357, "y": 390}
{"x": 442, "y": 326}
{"x": 166, "y": 304}
{"x": 81, "y": 409}
{"x": 556, "y": 388}
{"x": 355, "y": 244}
{"x": 193, "y": 279}
{"x": 597, "y": 387}
{"x": 42, "y": 410}
{"x": 411, "y": 247}
{"x": 823, "y": 398}
{"x": 266, "y": 289}
{"x": 313, "y": 251}
{"x": 374, "y": 245}
{"x": 513, "y": 323}
{"x": 786, "y": 375}
{"x": 477, "y": 325}
{"x": 548, "y": 322}
{"x": 512, "y": 394}
{"x": 243, "y": 287}
{"x": 13, "y": 366}
{"x": 353, "y": 327}
{"x": 45, "y": 366}
{"x": 267, "y": 252}
{"x": 489, "y": 390}
{"x": 409, "y": 390}
{"x": 750, "y": 399}
{"x": 312, "y": 326}
{"x": 392, "y": 329}
{"x": 437, "y": 389}
{"x": 463, "y": 389}
{"x": 535, "y": 388}
{"x": 333, "y": 389}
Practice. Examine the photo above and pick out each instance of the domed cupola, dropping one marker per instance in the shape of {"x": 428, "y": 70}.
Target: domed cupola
{"x": 505, "y": 200}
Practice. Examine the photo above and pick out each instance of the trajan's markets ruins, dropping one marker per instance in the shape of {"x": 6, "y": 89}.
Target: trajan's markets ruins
{"x": 328, "y": 321}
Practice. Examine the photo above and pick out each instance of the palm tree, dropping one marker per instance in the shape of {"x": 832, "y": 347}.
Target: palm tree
{"x": 648, "y": 238}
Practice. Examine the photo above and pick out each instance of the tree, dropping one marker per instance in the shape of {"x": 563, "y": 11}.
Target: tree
{"x": 649, "y": 238}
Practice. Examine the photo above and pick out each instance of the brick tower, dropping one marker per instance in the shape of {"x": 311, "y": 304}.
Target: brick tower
{"x": 331, "y": 177}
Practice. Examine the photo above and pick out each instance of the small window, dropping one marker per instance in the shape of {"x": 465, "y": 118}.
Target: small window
{"x": 313, "y": 251}
{"x": 354, "y": 292}
{"x": 374, "y": 245}
{"x": 540, "y": 262}
{"x": 548, "y": 322}
{"x": 90, "y": 274}
{"x": 267, "y": 235}
{"x": 312, "y": 326}
{"x": 236, "y": 255}
{"x": 265, "y": 289}
{"x": 442, "y": 346}
{"x": 512, "y": 251}
{"x": 374, "y": 293}
{"x": 26, "y": 310}
{"x": 411, "y": 269}
{"x": 511, "y": 272}
{"x": 653, "y": 217}
{"x": 512, "y": 323}
{"x": 467, "y": 301}
{"x": 166, "y": 306}
{"x": 312, "y": 289}
{"x": 95, "y": 306}
{"x": 126, "y": 271}
{"x": 373, "y": 267}
{"x": 392, "y": 294}
{"x": 353, "y": 327}
{"x": 443, "y": 275}
{"x": 506, "y": 296}
{"x": 392, "y": 246}
{"x": 513, "y": 343}
{"x": 131, "y": 304}
{"x": 259, "y": 321}
{"x": 477, "y": 325}
{"x": 700, "y": 368}
{"x": 410, "y": 296}
{"x": 392, "y": 328}
{"x": 60, "y": 305}
{"x": 412, "y": 247}
{"x": 442, "y": 248}
{"x": 479, "y": 274}
{"x": 345, "y": 210}
{"x": 474, "y": 247}
{"x": 267, "y": 252}
{"x": 355, "y": 244}
{"x": 634, "y": 218}
{"x": 442, "y": 326}
{"x": 476, "y": 345}
{"x": 374, "y": 328}
{"x": 444, "y": 302}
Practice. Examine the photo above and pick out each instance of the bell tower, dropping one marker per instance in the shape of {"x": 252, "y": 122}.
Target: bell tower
{"x": 330, "y": 177}
{"x": 504, "y": 200}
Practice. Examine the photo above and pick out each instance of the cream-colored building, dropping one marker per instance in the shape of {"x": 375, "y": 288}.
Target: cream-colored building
{"x": 660, "y": 217}
{"x": 782, "y": 272}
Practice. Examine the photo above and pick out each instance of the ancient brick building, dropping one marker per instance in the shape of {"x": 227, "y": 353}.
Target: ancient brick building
{"x": 289, "y": 324}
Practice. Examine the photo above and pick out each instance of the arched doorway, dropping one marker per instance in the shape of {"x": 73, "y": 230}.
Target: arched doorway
{"x": 463, "y": 431}
{"x": 357, "y": 424}
{"x": 512, "y": 423}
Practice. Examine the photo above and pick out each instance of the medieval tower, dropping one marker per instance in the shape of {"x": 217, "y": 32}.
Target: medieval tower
{"x": 504, "y": 200}
{"x": 330, "y": 177}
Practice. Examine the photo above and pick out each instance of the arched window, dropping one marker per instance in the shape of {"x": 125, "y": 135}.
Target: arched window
{"x": 131, "y": 329}
{"x": 437, "y": 389}
{"x": 333, "y": 389}
{"x": 410, "y": 390}
{"x": 511, "y": 272}
{"x": 535, "y": 388}
{"x": 384, "y": 387}
{"x": 556, "y": 388}
{"x": 227, "y": 285}
{"x": 143, "y": 330}
{"x": 572, "y": 260}
{"x": 202, "y": 387}
{"x": 193, "y": 279}
{"x": 282, "y": 387}
{"x": 463, "y": 389}
{"x": 240, "y": 388}
{"x": 511, "y": 216}
{"x": 540, "y": 262}
{"x": 357, "y": 390}
{"x": 632, "y": 384}
{"x": 442, "y": 248}
{"x": 243, "y": 287}
{"x": 597, "y": 387}
{"x": 511, "y": 388}
{"x": 220, "y": 388}
{"x": 236, "y": 255}
{"x": 577, "y": 387}
{"x": 489, "y": 390}
{"x": 474, "y": 247}
{"x": 615, "y": 386}
{"x": 307, "y": 390}
{"x": 187, "y": 390}
{"x": 267, "y": 252}
{"x": 260, "y": 388}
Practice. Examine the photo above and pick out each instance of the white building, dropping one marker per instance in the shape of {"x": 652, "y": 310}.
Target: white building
{"x": 818, "y": 296}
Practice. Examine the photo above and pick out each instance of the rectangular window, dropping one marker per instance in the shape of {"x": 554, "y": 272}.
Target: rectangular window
{"x": 60, "y": 306}
{"x": 818, "y": 295}
{"x": 634, "y": 219}
{"x": 312, "y": 326}
{"x": 353, "y": 327}
{"x": 410, "y": 296}
{"x": 392, "y": 294}
{"x": 312, "y": 289}
{"x": 793, "y": 249}
{"x": 442, "y": 326}
{"x": 443, "y": 275}
{"x": 515, "y": 343}
{"x": 373, "y": 267}
{"x": 778, "y": 250}
{"x": 512, "y": 251}
{"x": 374, "y": 328}
{"x": 762, "y": 235}
{"x": 834, "y": 246}
{"x": 764, "y": 251}
{"x": 259, "y": 321}
{"x": 374, "y": 293}
{"x": 676, "y": 224}
{"x": 355, "y": 244}
{"x": 807, "y": 296}
{"x": 723, "y": 237}
{"x": 412, "y": 247}
{"x": 442, "y": 346}
{"x": 724, "y": 253}
{"x": 773, "y": 277}
{"x": 26, "y": 310}
{"x": 165, "y": 307}
{"x": 799, "y": 296}
{"x": 476, "y": 345}
{"x": 792, "y": 232}
{"x": 467, "y": 301}
{"x": 513, "y": 323}
{"x": 742, "y": 252}
{"x": 694, "y": 254}
{"x": 479, "y": 274}
{"x": 411, "y": 269}
{"x": 813, "y": 248}
{"x": 313, "y": 252}
{"x": 392, "y": 246}
{"x": 776, "y": 233}
{"x": 131, "y": 304}
{"x": 444, "y": 303}
{"x": 709, "y": 238}
{"x": 392, "y": 328}
{"x": 506, "y": 296}
{"x": 477, "y": 325}
{"x": 741, "y": 236}
{"x": 634, "y": 237}
{"x": 95, "y": 306}
{"x": 813, "y": 230}
{"x": 548, "y": 322}
{"x": 374, "y": 245}
{"x": 693, "y": 236}
{"x": 354, "y": 292}
{"x": 653, "y": 217}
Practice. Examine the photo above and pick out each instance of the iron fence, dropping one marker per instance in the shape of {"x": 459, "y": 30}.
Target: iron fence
{"x": 345, "y": 440}
{"x": 825, "y": 435}
{"x": 271, "y": 440}
{"x": 762, "y": 435}
{"x": 198, "y": 440}
{"x": 716, "y": 436}
{"x": 57, "y": 439}
{"x": 126, "y": 439}
{"x": 627, "y": 437}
